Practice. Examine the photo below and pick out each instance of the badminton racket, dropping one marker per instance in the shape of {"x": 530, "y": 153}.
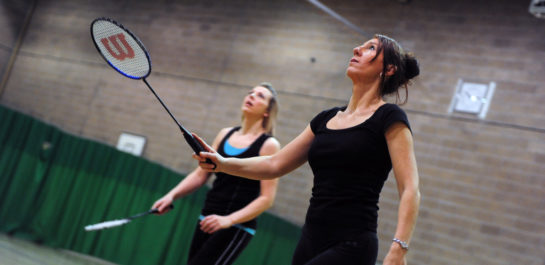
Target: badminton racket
{"x": 124, "y": 52}
{"x": 119, "y": 222}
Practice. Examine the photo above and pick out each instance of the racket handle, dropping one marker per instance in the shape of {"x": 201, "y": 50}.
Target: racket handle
{"x": 196, "y": 146}
{"x": 157, "y": 210}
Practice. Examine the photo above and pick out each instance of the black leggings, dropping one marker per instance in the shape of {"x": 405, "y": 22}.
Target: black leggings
{"x": 316, "y": 250}
{"x": 219, "y": 248}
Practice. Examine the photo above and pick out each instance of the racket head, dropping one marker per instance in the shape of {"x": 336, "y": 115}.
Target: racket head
{"x": 107, "y": 224}
{"x": 120, "y": 48}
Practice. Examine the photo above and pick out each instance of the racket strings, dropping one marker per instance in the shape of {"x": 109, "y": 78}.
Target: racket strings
{"x": 121, "y": 49}
{"x": 107, "y": 224}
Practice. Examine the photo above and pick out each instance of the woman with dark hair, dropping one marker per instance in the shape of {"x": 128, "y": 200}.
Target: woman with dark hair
{"x": 227, "y": 221}
{"x": 351, "y": 151}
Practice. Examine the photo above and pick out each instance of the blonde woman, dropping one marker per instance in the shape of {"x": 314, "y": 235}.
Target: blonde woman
{"x": 227, "y": 221}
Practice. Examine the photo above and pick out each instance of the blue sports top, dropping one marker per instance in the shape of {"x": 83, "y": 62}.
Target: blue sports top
{"x": 233, "y": 151}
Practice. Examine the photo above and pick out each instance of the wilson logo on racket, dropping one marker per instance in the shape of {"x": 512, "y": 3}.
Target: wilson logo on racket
{"x": 121, "y": 54}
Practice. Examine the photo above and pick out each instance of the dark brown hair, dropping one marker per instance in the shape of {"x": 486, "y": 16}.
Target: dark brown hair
{"x": 405, "y": 65}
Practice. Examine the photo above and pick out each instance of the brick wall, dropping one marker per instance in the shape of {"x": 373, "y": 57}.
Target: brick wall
{"x": 482, "y": 181}
{"x": 12, "y": 15}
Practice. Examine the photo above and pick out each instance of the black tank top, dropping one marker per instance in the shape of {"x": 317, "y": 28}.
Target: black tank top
{"x": 350, "y": 166}
{"x": 230, "y": 193}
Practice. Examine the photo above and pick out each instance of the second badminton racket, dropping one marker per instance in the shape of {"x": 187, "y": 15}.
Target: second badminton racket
{"x": 119, "y": 222}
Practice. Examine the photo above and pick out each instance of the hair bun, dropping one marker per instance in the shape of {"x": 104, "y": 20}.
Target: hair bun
{"x": 411, "y": 67}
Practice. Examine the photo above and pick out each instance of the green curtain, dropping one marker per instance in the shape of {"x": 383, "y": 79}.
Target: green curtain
{"x": 52, "y": 184}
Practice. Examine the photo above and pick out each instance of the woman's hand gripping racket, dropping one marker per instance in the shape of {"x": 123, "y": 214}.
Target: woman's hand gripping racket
{"x": 209, "y": 159}
{"x": 124, "y": 52}
{"x": 119, "y": 222}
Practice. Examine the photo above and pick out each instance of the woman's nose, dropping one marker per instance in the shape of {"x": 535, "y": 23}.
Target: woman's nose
{"x": 357, "y": 50}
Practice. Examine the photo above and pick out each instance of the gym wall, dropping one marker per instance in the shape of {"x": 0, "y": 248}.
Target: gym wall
{"x": 482, "y": 180}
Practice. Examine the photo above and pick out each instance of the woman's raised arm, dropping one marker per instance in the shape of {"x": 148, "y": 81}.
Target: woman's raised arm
{"x": 292, "y": 156}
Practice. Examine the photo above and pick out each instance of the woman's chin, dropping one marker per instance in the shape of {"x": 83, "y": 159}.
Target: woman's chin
{"x": 246, "y": 111}
{"x": 351, "y": 73}
{"x": 244, "y": 108}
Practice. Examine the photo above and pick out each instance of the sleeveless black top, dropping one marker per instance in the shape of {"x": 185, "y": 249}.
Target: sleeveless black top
{"x": 350, "y": 167}
{"x": 230, "y": 193}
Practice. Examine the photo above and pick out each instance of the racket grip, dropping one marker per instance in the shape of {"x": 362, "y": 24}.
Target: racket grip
{"x": 157, "y": 210}
{"x": 196, "y": 146}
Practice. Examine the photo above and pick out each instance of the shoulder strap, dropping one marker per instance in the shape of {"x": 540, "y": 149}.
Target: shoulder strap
{"x": 222, "y": 143}
{"x": 255, "y": 147}
{"x": 233, "y": 130}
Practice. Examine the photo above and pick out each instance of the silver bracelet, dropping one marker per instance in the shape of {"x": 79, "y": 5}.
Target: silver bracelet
{"x": 403, "y": 244}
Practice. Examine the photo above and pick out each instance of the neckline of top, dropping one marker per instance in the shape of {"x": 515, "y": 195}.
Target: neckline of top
{"x": 355, "y": 126}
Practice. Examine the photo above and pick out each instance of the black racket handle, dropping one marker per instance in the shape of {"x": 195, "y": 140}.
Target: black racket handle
{"x": 196, "y": 146}
{"x": 157, "y": 210}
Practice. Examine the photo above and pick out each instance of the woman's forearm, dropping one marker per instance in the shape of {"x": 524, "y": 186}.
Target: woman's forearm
{"x": 257, "y": 168}
{"x": 407, "y": 214}
{"x": 251, "y": 211}
{"x": 189, "y": 184}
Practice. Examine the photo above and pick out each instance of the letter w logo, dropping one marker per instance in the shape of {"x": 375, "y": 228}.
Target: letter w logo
{"x": 121, "y": 54}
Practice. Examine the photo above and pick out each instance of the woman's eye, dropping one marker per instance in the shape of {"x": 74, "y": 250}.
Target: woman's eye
{"x": 372, "y": 48}
{"x": 261, "y": 96}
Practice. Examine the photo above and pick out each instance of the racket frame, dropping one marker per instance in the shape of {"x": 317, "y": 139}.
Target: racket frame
{"x": 197, "y": 148}
{"x": 136, "y": 39}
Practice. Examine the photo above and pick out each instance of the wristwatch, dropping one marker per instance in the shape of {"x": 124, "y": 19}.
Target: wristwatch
{"x": 403, "y": 244}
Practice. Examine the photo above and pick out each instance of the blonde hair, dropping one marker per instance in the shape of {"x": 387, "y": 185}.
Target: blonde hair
{"x": 269, "y": 122}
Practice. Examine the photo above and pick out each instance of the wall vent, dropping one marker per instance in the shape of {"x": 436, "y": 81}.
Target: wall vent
{"x": 472, "y": 98}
